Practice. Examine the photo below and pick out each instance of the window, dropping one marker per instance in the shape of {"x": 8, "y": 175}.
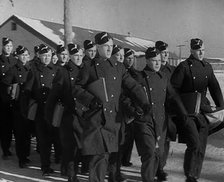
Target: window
{"x": 13, "y": 26}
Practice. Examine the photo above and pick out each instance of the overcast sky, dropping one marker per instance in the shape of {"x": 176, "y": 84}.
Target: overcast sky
{"x": 173, "y": 21}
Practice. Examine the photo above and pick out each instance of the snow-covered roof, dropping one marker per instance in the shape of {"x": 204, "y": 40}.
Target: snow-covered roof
{"x": 41, "y": 28}
{"x": 55, "y": 33}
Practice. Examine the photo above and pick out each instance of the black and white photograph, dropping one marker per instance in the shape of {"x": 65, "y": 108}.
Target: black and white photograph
{"x": 111, "y": 91}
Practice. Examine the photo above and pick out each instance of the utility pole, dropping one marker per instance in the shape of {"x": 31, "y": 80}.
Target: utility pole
{"x": 180, "y": 50}
{"x": 68, "y": 35}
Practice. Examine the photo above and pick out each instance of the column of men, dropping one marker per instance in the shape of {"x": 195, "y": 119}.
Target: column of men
{"x": 100, "y": 131}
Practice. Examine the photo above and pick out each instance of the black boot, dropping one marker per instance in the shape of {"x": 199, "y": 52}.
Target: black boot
{"x": 72, "y": 173}
{"x": 191, "y": 179}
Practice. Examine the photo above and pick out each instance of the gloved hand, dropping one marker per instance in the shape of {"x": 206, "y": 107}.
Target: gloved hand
{"x": 139, "y": 113}
{"x": 95, "y": 104}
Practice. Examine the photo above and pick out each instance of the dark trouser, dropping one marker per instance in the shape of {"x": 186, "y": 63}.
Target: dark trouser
{"x": 98, "y": 167}
{"x": 6, "y": 127}
{"x": 85, "y": 163}
{"x": 164, "y": 155}
{"x": 70, "y": 151}
{"x": 195, "y": 152}
{"x": 57, "y": 143}
{"x": 114, "y": 167}
{"x": 44, "y": 135}
{"x": 128, "y": 143}
{"x": 146, "y": 146}
{"x": 22, "y": 132}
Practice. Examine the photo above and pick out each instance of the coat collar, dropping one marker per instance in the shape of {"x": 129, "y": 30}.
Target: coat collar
{"x": 99, "y": 60}
{"x": 70, "y": 66}
{"x": 149, "y": 72}
{"x": 166, "y": 66}
{"x": 192, "y": 59}
{"x": 19, "y": 65}
{"x": 41, "y": 66}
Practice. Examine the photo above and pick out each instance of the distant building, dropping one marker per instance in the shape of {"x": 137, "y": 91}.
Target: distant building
{"x": 30, "y": 32}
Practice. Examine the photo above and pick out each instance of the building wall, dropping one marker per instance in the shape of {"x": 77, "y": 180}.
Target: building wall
{"x": 20, "y": 36}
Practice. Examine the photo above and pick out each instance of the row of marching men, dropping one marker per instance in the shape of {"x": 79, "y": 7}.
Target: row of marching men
{"x": 25, "y": 88}
{"x": 95, "y": 110}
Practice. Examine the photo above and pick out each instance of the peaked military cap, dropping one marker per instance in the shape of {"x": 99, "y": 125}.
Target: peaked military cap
{"x": 151, "y": 52}
{"x": 102, "y": 38}
{"x": 20, "y": 50}
{"x": 160, "y": 45}
{"x": 88, "y": 44}
{"x": 36, "y": 49}
{"x": 60, "y": 48}
{"x": 116, "y": 48}
{"x": 43, "y": 49}
{"x": 6, "y": 40}
{"x": 196, "y": 43}
{"x": 128, "y": 52}
{"x": 73, "y": 48}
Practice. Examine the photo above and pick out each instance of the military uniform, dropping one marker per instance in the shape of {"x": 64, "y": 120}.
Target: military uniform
{"x": 171, "y": 128}
{"x": 151, "y": 129}
{"x": 70, "y": 128}
{"x": 6, "y": 126}
{"x": 101, "y": 129}
{"x": 190, "y": 76}
{"x": 22, "y": 128}
{"x": 37, "y": 87}
{"x": 168, "y": 69}
{"x": 86, "y": 59}
{"x": 129, "y": 127}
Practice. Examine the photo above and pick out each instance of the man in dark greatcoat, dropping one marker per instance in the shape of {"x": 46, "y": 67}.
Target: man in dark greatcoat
{"x": 196, "y": 75}
{"x": 70, "y": 128}
{"x": 168, "y": 69}
{"x": 14, "y": 82}
{"x": 6, "y": 61}
{"x": 36, "y": 89}
{"x": 101, "y": 129}
{"x": 150, "y": 129}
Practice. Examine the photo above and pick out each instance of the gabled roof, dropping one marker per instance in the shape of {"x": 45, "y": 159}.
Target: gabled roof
{"x": 52, "y": 33}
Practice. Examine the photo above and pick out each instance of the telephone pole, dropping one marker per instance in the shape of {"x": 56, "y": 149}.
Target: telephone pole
{"x": 68, "y": 34}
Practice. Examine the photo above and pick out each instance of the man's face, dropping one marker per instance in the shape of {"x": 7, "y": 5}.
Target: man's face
{"x": 77, "y": 57}
{"x": 199, "y": 53}
{"x": 8, "y": 48}
{"x": 63, "y": 56}
{"x": 154, "y": 63}
{"x": 129, "y": 61}
{"x": 46, "y": 57}
{"x": 54, "y": 59}
{"x": 164, "y": 56}
{"x": 91, "y": 53}
{"x": 25, "y": 57}
{"x": 119, "y": 56}
{"x": 105, "y": 50}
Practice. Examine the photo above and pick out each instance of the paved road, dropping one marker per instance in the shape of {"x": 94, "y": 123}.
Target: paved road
{"x": 213, "y": 168}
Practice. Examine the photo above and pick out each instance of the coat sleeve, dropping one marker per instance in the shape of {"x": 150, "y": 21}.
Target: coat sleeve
{"x": 177, "y": 78}
{"x": 136, "y": 90}
{"x": 174, "y": 97}
{"x": 80, "y": 93}
{"x": 29, "y": 81}
{"x": 6, "y": 86}
{"x": 26, "y": 93}
{"x": 215, "y": 90}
